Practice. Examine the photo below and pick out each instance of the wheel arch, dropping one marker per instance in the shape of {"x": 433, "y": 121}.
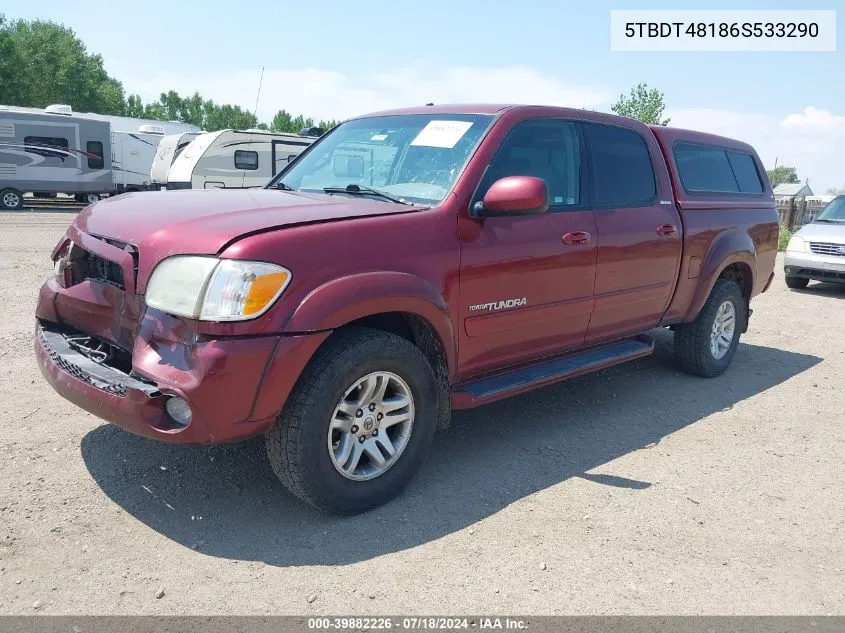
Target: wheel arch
{"x": 400, "y": 303}
{"x": 732, "y": 256}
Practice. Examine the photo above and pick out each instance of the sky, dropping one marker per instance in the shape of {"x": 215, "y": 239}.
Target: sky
{"x": 336, "y": 59}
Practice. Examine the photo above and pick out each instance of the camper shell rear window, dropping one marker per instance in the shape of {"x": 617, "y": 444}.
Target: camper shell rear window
{"x": 712, "y": 169}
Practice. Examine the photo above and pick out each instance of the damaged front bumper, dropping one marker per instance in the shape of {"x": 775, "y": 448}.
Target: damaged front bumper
{"x": 219, "y": 384}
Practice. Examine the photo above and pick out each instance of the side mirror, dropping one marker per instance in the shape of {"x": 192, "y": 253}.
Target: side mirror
{"x": 514, "y": 195}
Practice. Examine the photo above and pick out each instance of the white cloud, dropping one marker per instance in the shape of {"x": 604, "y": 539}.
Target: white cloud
{"x": 326, "y": 94}
{"x": 811, "y": 140}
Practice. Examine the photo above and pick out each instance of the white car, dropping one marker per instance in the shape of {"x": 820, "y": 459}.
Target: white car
{"x": 817, "y": 250}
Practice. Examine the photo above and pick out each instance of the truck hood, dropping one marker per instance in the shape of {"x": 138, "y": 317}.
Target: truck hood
{"x": 823, "y": 232}
{"x": 203, "y": 222}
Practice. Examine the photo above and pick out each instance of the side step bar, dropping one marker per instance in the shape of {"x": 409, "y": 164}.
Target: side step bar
{"x": 546, "y": 372}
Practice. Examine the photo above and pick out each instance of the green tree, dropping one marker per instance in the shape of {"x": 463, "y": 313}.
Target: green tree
{"x": 783, "y": 174}
{"x": 43, "y": 63}
{"x": 284, "y": 121}
{"x": 221, "y": 117}
{"x": 193, "y": 110}
{"x": 134, "y": 106}
{"x": 643, "y": 104}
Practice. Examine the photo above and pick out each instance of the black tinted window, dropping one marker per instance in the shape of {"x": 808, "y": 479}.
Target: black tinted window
{"x": 745, "y": 172}
{"x": 545, "y": 149}
{"x": 94, "y": 149}
{"x": 622, "y": 171}
{"x": 707, "y": 169}
{"x": 246, "y": 159}
{"x": 46, "y": 146}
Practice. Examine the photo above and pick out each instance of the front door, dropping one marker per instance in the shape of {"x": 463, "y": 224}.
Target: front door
{"x": 526, "y": 283}
{"x": 638, "y": 230}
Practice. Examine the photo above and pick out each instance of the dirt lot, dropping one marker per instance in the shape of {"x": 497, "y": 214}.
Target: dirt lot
{"x": 637, "y": 490}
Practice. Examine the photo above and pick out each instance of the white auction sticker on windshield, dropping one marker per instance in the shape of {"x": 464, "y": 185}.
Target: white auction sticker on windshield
{"x": 442, "y": 133}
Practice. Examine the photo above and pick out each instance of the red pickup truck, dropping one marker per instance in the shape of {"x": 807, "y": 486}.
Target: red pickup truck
{"x": 406, "y": 264}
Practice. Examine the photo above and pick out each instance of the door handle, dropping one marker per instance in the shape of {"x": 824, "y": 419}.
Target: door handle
{"x": 666, "y": 229}
{"x": 576, "y": 237}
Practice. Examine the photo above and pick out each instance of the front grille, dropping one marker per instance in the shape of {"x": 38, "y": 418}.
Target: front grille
{"x": 87, "y": 265}
{"x": 100, "y": 269}
{"x": 826, "y": 248}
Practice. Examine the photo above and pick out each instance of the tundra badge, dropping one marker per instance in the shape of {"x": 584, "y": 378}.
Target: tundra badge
{"x": 499, "y": 305}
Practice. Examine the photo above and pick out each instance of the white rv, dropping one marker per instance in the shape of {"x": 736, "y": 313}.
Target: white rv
{"x": 56, "y": 150}
{"x": 168, "y": 149}
{"x": 133, "y": 154}
{"x": 234, "y": 159}
{"x": 52, "y": 151}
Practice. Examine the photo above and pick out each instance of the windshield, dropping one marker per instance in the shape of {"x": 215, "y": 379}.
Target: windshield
{"x": 415, "y": 158}
{"x": 833, "y": 212}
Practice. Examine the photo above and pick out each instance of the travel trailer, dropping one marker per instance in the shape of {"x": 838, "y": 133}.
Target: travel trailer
{"x": 53, "y": 151}
{"x": 234, "y": 159}
{"x": 134, "y": 153}
{"x": 56, "y": 150}
{"x": 168, "y": 149}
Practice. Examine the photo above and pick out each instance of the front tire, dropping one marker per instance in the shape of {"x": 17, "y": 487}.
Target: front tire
{"x": 796, "y": 283}
{"x": 358, "y": 424}
{"x": 707, "y": 346}
{"x": 11, "y": 200}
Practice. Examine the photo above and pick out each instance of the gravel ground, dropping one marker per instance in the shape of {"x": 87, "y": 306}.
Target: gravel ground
{"x": 637, "y": 490}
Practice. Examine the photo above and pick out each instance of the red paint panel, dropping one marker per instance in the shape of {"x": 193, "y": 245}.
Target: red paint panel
{"x": 577, "y": 310}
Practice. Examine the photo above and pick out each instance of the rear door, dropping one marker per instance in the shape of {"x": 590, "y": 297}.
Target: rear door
{"x": 527, "y": 282}
{"x": 638, "y": 230}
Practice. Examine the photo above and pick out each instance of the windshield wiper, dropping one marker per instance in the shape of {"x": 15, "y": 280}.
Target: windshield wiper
{"x": 284, "y": 187}
{"x": 359, "y": 190}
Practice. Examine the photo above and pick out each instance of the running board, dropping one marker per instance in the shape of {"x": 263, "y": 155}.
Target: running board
{"x": 546, "y": 372}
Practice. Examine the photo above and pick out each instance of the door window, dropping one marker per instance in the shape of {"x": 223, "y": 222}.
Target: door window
{"x": 623, "y": 175}
{"x": 548, "y": 149}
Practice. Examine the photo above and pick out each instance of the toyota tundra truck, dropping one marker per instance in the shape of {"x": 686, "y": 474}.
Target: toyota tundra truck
{"x": 406, "y": 264}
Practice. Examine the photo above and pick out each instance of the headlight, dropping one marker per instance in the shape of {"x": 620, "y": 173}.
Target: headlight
{"x": 796, "y": 244}
{"x": 212, "y": 289}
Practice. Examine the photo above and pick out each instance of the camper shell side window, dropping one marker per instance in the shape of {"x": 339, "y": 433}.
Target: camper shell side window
{"x": 711, "y": 169}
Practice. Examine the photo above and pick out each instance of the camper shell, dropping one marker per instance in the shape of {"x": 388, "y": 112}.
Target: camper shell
{"x": 234, "y": 159}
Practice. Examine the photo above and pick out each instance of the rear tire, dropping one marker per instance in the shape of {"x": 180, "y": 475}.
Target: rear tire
{"x": 11, "y": 200}
{"x": 797, "y": 283}
{"x": 707, "y": 346}
{"x": 299, "y": 445}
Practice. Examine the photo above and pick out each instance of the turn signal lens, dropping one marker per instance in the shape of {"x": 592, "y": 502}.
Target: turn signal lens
{"x": 263, "y": 290}
{"x": 242, "y": 290}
